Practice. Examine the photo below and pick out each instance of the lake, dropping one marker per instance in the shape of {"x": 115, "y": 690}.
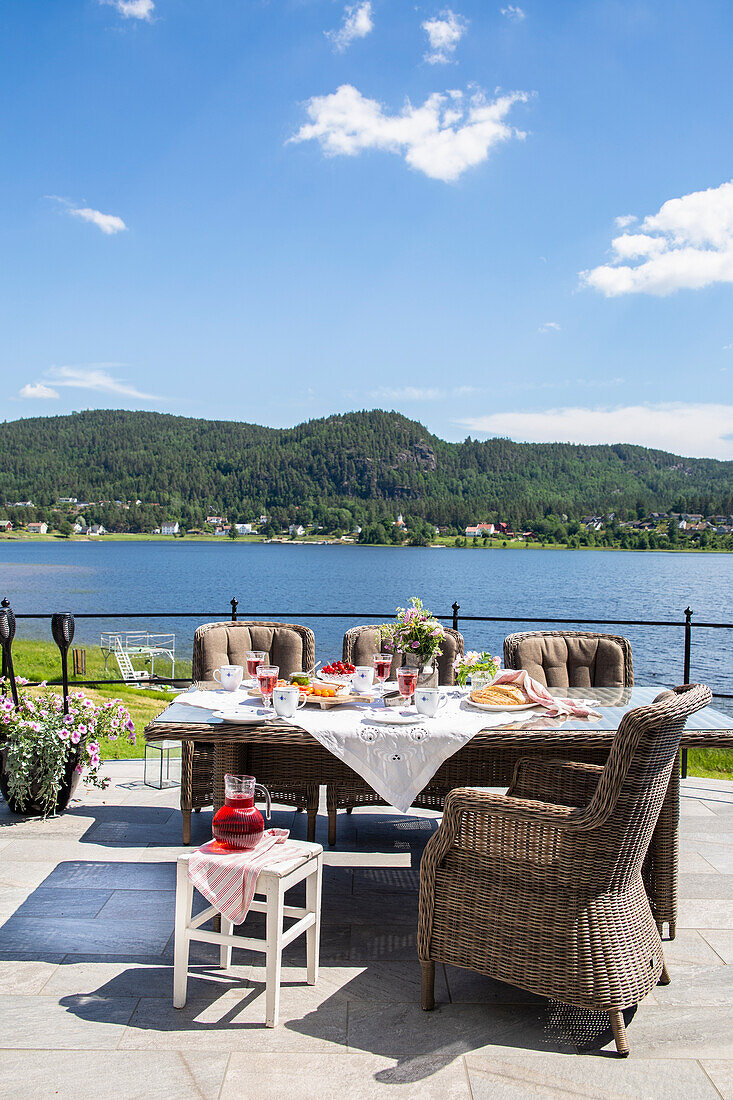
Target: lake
{"x": 202, "y": 577}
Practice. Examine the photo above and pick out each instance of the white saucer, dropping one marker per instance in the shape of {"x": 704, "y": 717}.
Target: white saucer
{"x": 236, "y": 719}
{"x": 396, "y": 718}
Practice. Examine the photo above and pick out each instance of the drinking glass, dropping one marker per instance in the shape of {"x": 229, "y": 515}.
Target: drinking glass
{"x": 382, "y": 665}
{"x": 267, "y": 679}
{"x": 407, "y": 682}
{"x": 255, "y": 658}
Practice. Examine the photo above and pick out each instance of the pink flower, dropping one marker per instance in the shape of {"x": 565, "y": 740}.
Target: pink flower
{"x": 75, "y": 737}
{"x": 93, "y": 748}
{"x": 63, "y": 734}
{"x": 82, "y": 729}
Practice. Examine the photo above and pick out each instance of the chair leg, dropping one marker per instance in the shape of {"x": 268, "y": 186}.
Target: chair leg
{"x": 186, "y": 815}
{"x": 312, "y": 816}
{"x": 273, "y": 970}
{"x": 618, "y": 1027}
{"x": 313, "y": 934}
{"x": 672, "y": 929}
{"x": 225, "y": 950}
{"x": 664, "y": 978}
{"x": 331, "y": 828}
{"x": 349, "y": 809}
{"x": 184, "y": 900}
{"x": 428, "y": 985}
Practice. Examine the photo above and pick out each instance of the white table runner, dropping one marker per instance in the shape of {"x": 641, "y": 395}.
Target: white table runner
{"x": 396, "y": 760}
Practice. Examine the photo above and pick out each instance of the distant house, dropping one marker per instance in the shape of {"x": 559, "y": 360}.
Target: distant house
{"x": 66, "y": 500}
{"x": 169, "y": 528}
{"x": 296, "y": 529}
{"x": 222, "y": 530}
{"x": 263, "y": 519}
{"x": 244, "y": 528}
{"x": 479, "y": 529}
{"x": 216, "y": 521}
{"x": 79, "y": 527}
{"x": 96, "y": 529}
{"x": 400, "y": 521}
{"x": 38, "y": 528}
{"x": 23, "y": 504}
{"x": 5, "y": 525}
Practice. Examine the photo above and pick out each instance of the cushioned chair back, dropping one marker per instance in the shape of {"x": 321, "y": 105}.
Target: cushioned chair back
{"x": 571, "y": 659}
{"x": 362, "y": 642}
{"x": 288, "y": 645}
{"x": 631, "y": 790}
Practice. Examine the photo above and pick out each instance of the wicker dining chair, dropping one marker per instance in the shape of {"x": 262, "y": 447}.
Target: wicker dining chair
{"x": 571, "y": 658}
{"x": 290, "y": 646}
{"x": 542, "y": 887}
{"x": 360, "y": 644}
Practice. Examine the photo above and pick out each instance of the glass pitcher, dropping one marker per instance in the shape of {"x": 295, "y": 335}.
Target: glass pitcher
{"x": 239, "y": 824}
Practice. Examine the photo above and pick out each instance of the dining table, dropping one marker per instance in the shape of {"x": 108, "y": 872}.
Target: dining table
{"x": 367, "y": 753}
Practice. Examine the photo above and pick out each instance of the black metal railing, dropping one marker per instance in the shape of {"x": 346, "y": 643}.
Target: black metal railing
{"x": 455, "y": 618}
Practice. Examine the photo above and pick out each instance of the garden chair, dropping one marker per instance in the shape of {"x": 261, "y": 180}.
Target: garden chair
{"x": 571, "y": 658}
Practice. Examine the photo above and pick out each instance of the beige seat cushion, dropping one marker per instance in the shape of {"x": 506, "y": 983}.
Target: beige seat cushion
{"x": 219, "y": 644}
{"x": 568, "y": 661}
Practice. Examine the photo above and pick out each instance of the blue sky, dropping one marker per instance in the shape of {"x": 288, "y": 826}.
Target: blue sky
{"x": 499, "y": 219}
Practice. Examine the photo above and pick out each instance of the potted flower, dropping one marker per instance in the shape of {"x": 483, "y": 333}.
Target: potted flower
{"x": 418, "y": 636}
{"x": 44, "y": 752}
{"x": 476, "y": 668}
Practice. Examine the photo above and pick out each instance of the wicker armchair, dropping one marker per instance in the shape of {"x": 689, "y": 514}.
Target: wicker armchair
{"x": 360, "y": 644}
{"x": 542, "y": 887}
{"x": 571, "y": 658}
{"x": 292, "y": 647}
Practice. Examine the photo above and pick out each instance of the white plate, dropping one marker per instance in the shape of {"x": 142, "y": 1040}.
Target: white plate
{"x": 396, "y": 718}
{"x": 243, "y": 719}
{"x": 493, "y": 706}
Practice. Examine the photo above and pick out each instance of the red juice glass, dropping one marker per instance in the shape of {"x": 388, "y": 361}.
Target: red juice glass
{"x": 255, "y": 658}
{"x": 267, "y": 679}
{"x": 382, "y": 665}
{"x": 407, "y": 682}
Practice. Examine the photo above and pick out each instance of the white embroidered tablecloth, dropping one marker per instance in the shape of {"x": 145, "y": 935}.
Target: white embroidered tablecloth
{"x": 396, "y": 760}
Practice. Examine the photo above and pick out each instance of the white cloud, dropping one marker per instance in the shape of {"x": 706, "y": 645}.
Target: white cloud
{"x": 132, "y": 9}
{"x": 624, "y": 220}
{"x": 514, "y": 12}
{"x": 444, "y": 33}
{"x": 38, "y": 390}
{"x": 703, "y": 430}
{"x": 549, "y": 326}
{"x": 357, "y": 23}
{"x": 688, "y": 244}
{"x": 94, "y": 377}
{"x": 446, "y": 135}
{"x": 108, "y": 223}
{"x": 727, "y": 347}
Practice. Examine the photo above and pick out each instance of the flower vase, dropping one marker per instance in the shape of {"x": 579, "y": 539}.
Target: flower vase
{"x": 428, "y": 671}
{"x": 33, "y": 808}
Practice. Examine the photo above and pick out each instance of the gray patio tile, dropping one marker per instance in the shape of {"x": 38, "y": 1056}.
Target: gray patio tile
{"x": 137, "y": 1075}
{"x": 14, "y": 873}
{"x": 78, "y": 873}
{"x": 697, "y": 913}
{"x": 693, "y": 807}
{"x": 373, "y": 942}
{"x": 658, "y": 1031}
{"x": 139, "y": 977}
{"x": 719, "y": 856}
{"x": 690, "y": 948}
{"x": 467, "y": 986}
{"x": 392, "y": 982}
{"x": 405, "y": 1032}
{"x": 334, "y": 1075}
{"x": 367, "y": 907}
{"x": 719, "y": 805}
{"x": 138, "y": 905}
{"x": 721, "y": 941}
{"x": 47, "y": 902}
{"x": 694, "y": 863}
{"x": 80, "y": 1023}
{"x": 235, "y": 1020}
{"x": 11, "y": 899}
{"x": 386, "y": 880}
{"x": 129, "y": 835}
{"x": 57, "y": 851}
{"x": 71, "y": 936}
{"x": 697, "y": 985}
{"x": 709, "y": 886}
{"x": 558, "y": 1077}
{"x": 721, "y": 1074}
{"x": 26, "y": 976}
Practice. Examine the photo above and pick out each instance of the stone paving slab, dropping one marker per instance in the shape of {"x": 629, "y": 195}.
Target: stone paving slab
{"x": 86, "y": 918}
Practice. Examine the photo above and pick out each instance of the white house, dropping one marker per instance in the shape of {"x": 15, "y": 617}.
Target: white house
{"x": 296, "y": 529}
{"x": 96, "y": 529}
{"x": 38, "y": 528}
{"x": 5, "y": 525}
{"x": 169, "y": 528}
{"x": 480, "y": 529}
{"x": 67, "y": 500}
{"x": 244, "y": 528}
{"x": 216, "y": 521}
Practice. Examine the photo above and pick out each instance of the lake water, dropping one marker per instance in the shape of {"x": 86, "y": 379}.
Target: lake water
{"x": 118, "y": 577}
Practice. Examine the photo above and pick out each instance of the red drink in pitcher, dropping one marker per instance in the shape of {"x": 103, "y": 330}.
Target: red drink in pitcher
{"x": 239, "y": 824}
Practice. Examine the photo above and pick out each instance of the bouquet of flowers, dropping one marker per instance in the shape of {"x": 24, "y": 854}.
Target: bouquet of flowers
{"x": 414, "y": 632}
{"x": 476, "y": 666}
{"x": 40, "y": 741}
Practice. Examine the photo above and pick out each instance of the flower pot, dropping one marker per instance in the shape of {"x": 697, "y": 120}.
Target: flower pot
{"x": 428, "y": 674}
{"x": 33, "y": 808}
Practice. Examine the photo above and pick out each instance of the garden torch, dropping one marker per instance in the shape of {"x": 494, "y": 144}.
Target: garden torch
{"x": 62, "y": 628}
{"x": 7, "y": 633}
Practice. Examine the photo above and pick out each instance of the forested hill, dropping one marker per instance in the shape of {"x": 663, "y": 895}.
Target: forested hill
{"x": 375, "y": 463}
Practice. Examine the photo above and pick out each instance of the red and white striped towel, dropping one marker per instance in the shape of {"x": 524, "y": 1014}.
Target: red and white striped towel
{"x": 537, "y": 693}
{"x": 228, "y": 878}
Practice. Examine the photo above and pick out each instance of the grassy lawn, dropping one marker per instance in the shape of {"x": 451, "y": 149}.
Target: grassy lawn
{"x": 39, "y": 660}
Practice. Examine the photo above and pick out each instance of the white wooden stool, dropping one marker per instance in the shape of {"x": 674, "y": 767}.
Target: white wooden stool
{"x": 308, "y": 865}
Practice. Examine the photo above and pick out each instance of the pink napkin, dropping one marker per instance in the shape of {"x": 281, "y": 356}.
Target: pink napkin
{"x": 228, "y": 878}
{"x": 577, "y": 708}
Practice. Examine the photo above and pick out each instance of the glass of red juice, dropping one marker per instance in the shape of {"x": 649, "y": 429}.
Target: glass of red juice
{"x": 407, "y": 682}
{"x": 267, "y": 679}
{"x": 382, "y": 665}
{"x": 255, "y": 658}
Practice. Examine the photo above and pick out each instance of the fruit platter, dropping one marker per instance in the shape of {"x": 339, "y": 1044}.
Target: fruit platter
{"x": 319, "y": 692}
{"x": 337, "y": 672}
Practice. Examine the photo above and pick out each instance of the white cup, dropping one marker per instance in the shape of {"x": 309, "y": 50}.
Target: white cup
{"x": 229, "y": 676}
{"x": 363, "y": 679}
{"x": 286, "y": 700}
{"x": 428, "y": 701}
